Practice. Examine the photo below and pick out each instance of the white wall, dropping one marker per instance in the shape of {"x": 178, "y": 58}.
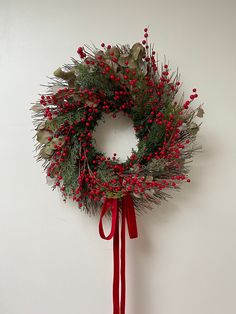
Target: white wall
{"x": 52, "y": 260}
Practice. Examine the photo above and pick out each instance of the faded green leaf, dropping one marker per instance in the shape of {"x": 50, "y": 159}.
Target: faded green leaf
{"x": 41, "y": 126}
{"x": 100, "y": 53}
{"x": 114, "y": 194}
{"x": 43, "y": 135}
{"x": 51, "y": 125}
{"x": 193, "y": 128}
{"x": 64, "y": 75}
{"x": 46, "y": 152}
{"x": 36, "y": 108}
{"x": 115, "y": 51}
{"x": 132, "y": 63}
{"x": 137, "y": 51}
{"x": 122, "y": 59}
{"x": 200, "y": 112}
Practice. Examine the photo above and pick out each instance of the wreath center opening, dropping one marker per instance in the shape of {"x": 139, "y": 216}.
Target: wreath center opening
{"x": 115, "y": 135}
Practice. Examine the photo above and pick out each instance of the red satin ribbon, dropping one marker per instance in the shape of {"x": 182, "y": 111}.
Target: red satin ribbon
{"x": 128, "y": 214}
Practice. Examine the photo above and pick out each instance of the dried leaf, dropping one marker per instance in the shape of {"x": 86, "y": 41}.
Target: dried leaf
{"x": 46, "y": 152}
{"x": 43, "y": 135}
{"x": 41, "y": 126}
{"x": 193, "y": 128}
{"x": 64, "y": 75}
{"x": 114, "y": 194}
{"x": 200, "y": 112}
{"x": 37, "y": 108}
{"x": 100, "y": 53}
{"x": 115, "y": 51}
{"x": 51, "y": 125}
{"x": 50, "y": 181}
{"x": 122, "y": 59}
{"x": 137, "y": 51}
{"x": 132, "y": 63}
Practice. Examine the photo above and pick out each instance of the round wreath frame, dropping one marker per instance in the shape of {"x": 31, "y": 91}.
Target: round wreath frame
{"x": 112, "y": 80}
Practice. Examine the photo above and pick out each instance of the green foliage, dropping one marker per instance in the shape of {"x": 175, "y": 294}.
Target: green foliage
{"x": 69, "y": 168}
{"x": 93, "y": 79}
{"x": 105, "y": 174}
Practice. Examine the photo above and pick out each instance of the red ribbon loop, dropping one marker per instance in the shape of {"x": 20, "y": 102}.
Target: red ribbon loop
{"x": 109, "y": 204}
{"x": 128, "y": 213}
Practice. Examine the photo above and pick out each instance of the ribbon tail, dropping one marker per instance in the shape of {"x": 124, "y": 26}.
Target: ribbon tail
{"x": 123, "y": 262}
{"x": 116, "y": 263}
{"x": 128, "y": 204}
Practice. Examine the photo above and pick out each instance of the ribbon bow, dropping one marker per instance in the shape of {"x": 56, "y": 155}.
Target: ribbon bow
{"x": 128, "y": 214}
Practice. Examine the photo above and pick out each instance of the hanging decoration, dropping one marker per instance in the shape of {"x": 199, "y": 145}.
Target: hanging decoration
{"x": 116, "y": 79}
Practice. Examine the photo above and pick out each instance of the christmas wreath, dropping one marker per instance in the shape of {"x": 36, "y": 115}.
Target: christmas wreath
{"x": 111, "y": 80}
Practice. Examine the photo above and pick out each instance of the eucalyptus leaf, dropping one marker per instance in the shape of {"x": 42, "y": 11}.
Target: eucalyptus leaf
{"x": 133, "y": 64}
{"x": 41, "y": 126}
{"x": 200, "y": 112}
{"x": 115, "y": 51}
{"x": 193, "y": 128}
{"x": 114, "y": 194}
{"x": 46, "y": 152}
{"x": 122, "y": 59}
{"x": 137, "y": 51}
{"x": 36, "y": 108}
{"x": 50, "y": 181}
{"x": 43, "y": 135}
{"x": 51, "y": 125}
{"x": 100, "y": 53}
{"x": 64, "y": 75}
